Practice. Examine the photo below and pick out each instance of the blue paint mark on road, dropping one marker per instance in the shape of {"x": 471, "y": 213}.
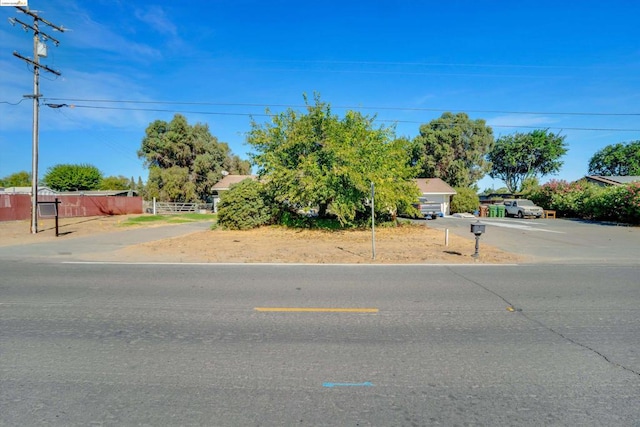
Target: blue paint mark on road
{"x": 364, "y": 384}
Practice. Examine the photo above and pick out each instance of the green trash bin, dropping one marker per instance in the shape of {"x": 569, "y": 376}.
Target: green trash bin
{"x": 493, "y": 211}
{"x": 500, "y": 211}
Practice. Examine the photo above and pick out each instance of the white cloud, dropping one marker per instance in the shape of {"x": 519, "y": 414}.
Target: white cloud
{"x": 100, "y": 86}
{"x": 93, "y": 35}
{"x": 73, "y": 85}
{"x": 15, "y": 81}
{"x": 521, "y": 120}
{"x": 155, "y": 17}
{"x": 424, "y": 99}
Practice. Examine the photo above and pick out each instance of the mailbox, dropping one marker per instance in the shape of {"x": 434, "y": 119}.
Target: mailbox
{"x": 477, "y": 228}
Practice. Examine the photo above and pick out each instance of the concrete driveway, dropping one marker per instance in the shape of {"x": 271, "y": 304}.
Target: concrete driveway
{"x": 559, "y": 241}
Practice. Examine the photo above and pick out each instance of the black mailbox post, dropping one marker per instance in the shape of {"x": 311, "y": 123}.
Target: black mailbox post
{"x": 478, "y": 230}
{"x": 49, "y": 209}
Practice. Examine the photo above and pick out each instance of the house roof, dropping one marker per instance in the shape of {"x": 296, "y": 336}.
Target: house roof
{"x": 433, "y": 186}
{"x": 228, "y": 180}
{"x": 129, "y": 193}
{"x": 613, "y": 180}
{"x": 42, "y": 190}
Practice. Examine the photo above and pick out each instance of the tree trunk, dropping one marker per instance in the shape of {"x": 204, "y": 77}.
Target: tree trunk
{"x": 322, "y": 209}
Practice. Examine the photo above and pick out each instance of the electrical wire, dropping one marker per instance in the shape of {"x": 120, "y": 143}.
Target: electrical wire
{"x": 213, "y": 113}
{"x": 12, "y": 103}
{"x": 435, "y": 64}
{"x": 220, "y": 104}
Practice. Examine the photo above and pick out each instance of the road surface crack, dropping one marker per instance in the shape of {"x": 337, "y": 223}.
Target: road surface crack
{"x": 512, "y": 308}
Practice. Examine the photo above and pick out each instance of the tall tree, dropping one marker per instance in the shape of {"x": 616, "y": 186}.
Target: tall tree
{"x": 18, "y": 179}
{"x": 622, "y": 159}
{"x": 115, "y": 183}
{"x": 520, "y": 157}
{"x": 71, "y": 177}
{"x": 316, "y": 158}
{"x": 453, "y": 148}
{"x": 181, "y": 156}
{"x": 140, "y": 188}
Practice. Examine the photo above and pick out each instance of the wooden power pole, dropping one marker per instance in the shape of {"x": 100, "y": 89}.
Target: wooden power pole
{"x": 39, "y": 50}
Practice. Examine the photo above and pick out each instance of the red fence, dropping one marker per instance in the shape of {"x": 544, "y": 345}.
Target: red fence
{"x": 15, "y": 207}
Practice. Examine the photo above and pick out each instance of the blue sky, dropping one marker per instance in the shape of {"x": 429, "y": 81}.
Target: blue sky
{"x": 572, "y": 67}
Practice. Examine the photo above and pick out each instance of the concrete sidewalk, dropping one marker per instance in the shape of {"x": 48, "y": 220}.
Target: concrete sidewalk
{"x": 72, "y": 249}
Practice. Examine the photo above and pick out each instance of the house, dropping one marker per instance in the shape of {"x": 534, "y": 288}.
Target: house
{"x": 224, "y": 184}
{"x": 436, "y": 190}
{"x": 42, "y": 191}
{"x": 608, "y": 181}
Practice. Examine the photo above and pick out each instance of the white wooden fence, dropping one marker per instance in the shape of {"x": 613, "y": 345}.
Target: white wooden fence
{"x": 168, "y": 208}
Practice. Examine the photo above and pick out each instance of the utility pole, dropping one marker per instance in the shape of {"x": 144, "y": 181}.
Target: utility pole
{"x": 373, "y": 221}
{"x": 39, "y": 50}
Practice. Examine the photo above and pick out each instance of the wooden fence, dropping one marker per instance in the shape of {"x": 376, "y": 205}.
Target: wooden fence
{"x": 14, "y": 207}
{"x": 168, "y": 208}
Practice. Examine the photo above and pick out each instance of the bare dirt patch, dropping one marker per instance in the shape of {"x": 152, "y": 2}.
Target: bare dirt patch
{"x": 19, "y": 232}
{"x": 416, "y": 244}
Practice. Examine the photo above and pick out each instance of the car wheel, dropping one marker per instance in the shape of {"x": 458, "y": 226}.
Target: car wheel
{"x": 520, "y": 214}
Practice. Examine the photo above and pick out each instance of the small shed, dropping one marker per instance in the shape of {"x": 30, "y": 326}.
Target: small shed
{"x": 437, "y": 191}
{"x": 224, "y": 184}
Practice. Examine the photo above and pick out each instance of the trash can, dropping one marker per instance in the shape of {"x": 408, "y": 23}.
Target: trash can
{"x": 484, "y": 211}
{"x": 500, "y": 211}
{"x": 493, "y": 211}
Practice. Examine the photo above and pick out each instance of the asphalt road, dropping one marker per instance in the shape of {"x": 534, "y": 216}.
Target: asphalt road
{"x": 109, "y": 344}
{"x": 554, "y": 241}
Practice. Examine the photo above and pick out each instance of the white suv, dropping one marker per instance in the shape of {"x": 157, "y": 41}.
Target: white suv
{"x": 522, "y": 208}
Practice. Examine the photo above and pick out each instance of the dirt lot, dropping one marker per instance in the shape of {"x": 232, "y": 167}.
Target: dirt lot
{"x": 407, "y": 244}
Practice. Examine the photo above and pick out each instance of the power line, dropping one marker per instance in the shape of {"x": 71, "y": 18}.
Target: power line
{"x": 435, "y": 64}
{"x": 222, "y": 104}
{"x": 214, "y": 113}
{"x": 160, "y": 110}
{"x": 12, "y": 103}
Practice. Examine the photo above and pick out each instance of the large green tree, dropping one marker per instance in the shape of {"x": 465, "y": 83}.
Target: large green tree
{"x": 453, "y": 148}
{"x": 518, "y": 158}
{"x": 185, "y": 160}
{"x": 73, "y": 177}
{"x": 18, "y": 179}
{"x": 622, "y": 159}
{"x": 315, "y": 158}
{"x": 116, "y": 183}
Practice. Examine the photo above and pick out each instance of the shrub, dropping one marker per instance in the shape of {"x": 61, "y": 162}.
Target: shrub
{"x": 567, "y": 199}
{"x": 627, "y": 200}
{"x": 589, "y": 201}
{"x": 245, "y": 205}
{"x": 465, "y": 200}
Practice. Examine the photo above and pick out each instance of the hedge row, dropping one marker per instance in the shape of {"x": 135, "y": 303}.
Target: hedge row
{"x": 589, "y": 201}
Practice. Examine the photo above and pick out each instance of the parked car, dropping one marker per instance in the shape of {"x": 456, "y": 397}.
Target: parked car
{"x": 428, "y": 209}
{"x": 521, "y": 208}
